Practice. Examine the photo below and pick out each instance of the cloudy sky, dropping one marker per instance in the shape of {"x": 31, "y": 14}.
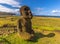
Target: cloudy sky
{"x": 38, "y": 7}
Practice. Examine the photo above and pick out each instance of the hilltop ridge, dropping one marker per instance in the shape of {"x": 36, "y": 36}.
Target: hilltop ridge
{"x": 6, "y": 14}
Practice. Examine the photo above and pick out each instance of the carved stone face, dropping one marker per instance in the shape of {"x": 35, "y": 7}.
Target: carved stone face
{"x": 25, "y": 12}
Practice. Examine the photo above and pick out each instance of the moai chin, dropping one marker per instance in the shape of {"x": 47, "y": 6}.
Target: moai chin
{"x": 24, "y": 23}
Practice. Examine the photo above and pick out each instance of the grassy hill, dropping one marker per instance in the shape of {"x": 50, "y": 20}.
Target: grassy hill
{"x": 6, "y": 14}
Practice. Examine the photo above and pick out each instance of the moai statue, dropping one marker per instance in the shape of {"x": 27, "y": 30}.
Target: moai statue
{"x": 24, "y": 23}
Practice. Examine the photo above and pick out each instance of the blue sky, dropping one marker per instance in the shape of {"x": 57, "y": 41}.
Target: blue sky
{"x": 38, "y": 7}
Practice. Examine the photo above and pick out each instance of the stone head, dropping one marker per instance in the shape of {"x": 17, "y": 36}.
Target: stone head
{"x": 26, "y": 12}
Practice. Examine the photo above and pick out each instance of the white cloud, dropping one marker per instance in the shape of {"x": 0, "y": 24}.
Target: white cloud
{"x": 5, "y": 9}
{"x": 16, "y": 11}
{"x": 55, "y": 12}
{"x": 13, "y": 3}
{"x": 40, "y": 11}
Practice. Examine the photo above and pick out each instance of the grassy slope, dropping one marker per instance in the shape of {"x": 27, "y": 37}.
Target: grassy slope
{"x": 42, "y": 23}
{"x": 39, "y": 24}
{"x": 46, "y": 23}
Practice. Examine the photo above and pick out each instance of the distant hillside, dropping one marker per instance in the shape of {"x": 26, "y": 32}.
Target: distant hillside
{"x": 46, "y": 16}
{"x": 6, "y": 14}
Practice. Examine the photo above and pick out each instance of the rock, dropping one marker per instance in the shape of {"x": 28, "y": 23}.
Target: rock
{"x": 24, "y": 23}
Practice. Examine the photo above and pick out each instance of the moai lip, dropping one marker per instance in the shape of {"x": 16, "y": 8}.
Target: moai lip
{"x": 24, "y": 23}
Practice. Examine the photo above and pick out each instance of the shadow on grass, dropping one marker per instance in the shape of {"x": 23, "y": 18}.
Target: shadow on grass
{"x": 40, "y": 35}
{"x": 4, "y": 41}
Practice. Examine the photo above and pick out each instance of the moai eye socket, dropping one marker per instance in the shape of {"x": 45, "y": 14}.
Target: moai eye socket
{"x": 26, "y": 11}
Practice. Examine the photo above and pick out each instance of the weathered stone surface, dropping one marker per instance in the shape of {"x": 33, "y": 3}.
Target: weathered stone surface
{"x": 24, "y": 23}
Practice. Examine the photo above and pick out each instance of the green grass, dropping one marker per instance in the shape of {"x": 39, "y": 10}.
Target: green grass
{"x": 46, "y": 23}
{"x": 15, "y": 39}
{"x": 38, "y": 23}
{"x": 43, "y": 23}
